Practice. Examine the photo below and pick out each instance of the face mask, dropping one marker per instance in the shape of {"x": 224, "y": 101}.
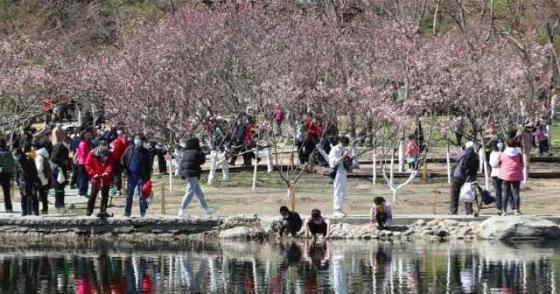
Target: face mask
{"x": 119, "y": 132}
{"x": 500, "y": 146}
{"x": 137, "y": 143}
{"x": 183, "y": 145}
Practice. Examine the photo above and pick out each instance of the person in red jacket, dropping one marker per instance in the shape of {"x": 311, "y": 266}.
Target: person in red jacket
{"x": 99, "y": 165}
{"x": 118, "y": 147}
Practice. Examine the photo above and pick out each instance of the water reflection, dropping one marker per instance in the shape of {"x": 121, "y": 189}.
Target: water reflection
{"x": 288, "y": 268}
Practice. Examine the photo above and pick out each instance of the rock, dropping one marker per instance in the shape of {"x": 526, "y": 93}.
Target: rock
{"x": 408, "y": 232}
{"x": 442, "y": 233}
{"x": 242, "y": 233}
{"x": 419, "y": 223}
{"x": 433, "y": 222}
{"x": 427, "y": 233}
{"x": 397, "y": 234}
{"x": 518, "y": 227}
{"x": 450, "y": 223}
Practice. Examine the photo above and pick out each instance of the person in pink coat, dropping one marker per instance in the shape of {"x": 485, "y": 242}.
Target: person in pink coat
{"x": 511, "y": 173}
{"x": 84, "y": 148}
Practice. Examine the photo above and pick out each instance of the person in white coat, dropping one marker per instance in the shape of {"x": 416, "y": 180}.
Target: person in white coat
{"x": 44, "y": 172}
{"x": 339, "y": 157}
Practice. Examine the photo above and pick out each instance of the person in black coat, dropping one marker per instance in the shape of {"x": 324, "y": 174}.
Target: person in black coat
{"x": 28, "y": 182}
{"x": 190, "y": 170}
{"x": 60, "y": 158}
{"x": 465, "y": 171}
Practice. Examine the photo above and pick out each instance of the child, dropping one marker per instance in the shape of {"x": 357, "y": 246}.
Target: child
{"x": 381, "y": 213}
{"x": 542, "y": 138}
{"x": 291, "y": 221}
{"x": 412, "y": 153}
{"x": 317, "y": 224}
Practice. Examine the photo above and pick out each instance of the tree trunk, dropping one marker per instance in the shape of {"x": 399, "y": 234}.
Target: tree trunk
{"x": 401, "y": 154}
{"x": 292, "y": 198}
{"x": 256, "y": 167}
{"x": 374, "y": 168}
{"x": 269, "y": 163}
{"x": 448, "y": 161}
{"x": 213, "y": 164}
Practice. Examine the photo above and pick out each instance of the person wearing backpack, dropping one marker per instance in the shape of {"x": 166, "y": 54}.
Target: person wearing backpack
{"x": 464, "y": 172}
{"x": 44, "y": 172}
{"x": 7, "y": 169}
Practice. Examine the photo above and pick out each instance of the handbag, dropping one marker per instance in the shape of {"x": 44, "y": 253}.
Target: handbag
{"x": 60, "y": 178}
{"x": 332, "y": 172}
{"x": 148, "y": 192}
{"x": 468, "y": 192}
{"x": 487, "y": 197}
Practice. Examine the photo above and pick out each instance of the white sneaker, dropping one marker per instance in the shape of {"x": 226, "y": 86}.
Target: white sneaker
{"x": 210, "y": 211}
{"x": 182, "y": 213}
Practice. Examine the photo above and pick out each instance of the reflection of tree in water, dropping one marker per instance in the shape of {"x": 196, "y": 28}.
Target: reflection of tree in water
{"x": 289, "y": 268}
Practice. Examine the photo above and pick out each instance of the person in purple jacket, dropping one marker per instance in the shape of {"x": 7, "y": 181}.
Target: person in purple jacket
{"x": 381, "y": 213}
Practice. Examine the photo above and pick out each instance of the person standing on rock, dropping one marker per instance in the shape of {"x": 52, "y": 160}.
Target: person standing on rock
{"x": 7, "y": 169}
{"x": 511, "y": 173}
{"x": 139, "y": 167}
{"x": 340, "y": 161}
{"x": 465, "y": 171}
{"x": 99, "y": 165}
{"x": 190, "y": 170}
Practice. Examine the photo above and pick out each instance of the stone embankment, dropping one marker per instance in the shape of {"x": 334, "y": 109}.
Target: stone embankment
{"x": 156, "y": 231}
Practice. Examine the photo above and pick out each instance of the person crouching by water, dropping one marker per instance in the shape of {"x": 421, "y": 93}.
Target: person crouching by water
{"x": 381, "y": 213}
{"x": 316, "y": 225}
{"x": 190, "y": 170}
{"x": 291, "y": 222}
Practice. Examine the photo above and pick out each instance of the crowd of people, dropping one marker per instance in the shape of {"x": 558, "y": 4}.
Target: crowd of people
{"x": 506, "y": 157}
{"x": 91, "y": 161}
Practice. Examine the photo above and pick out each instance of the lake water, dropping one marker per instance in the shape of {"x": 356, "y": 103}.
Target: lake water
{"x": 337, "y": 267}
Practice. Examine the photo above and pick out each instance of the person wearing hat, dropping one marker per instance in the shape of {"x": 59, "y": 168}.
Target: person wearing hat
{"x": 137, "y": 162}
{"x": 99, "y": 165}
{"x": 464, "y": 171}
